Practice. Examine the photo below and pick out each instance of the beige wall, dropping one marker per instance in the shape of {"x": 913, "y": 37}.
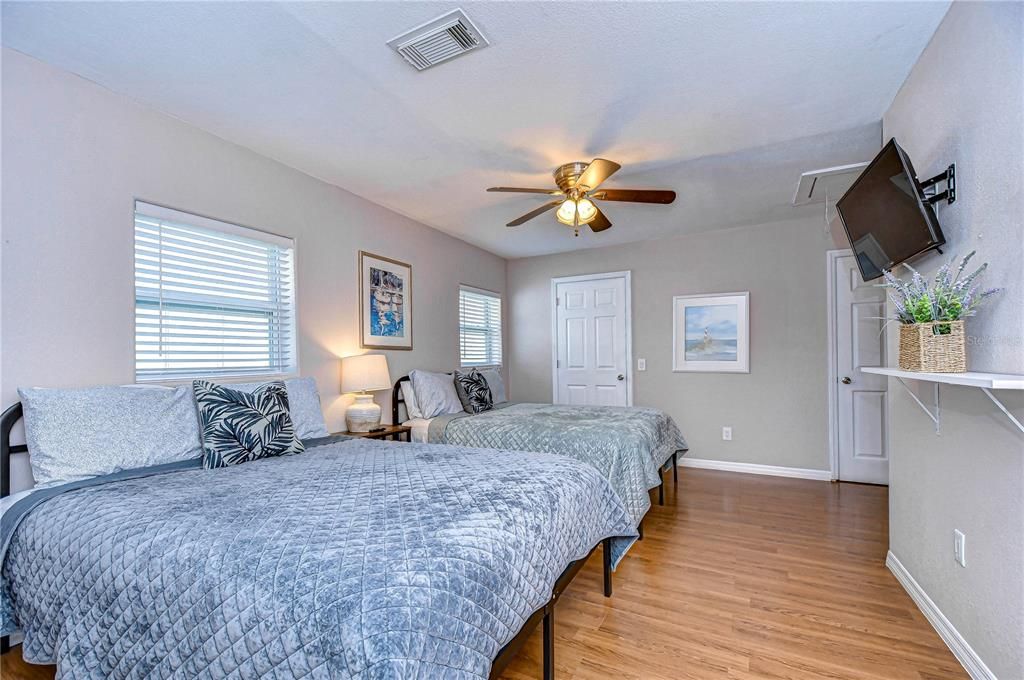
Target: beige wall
{"x": 778, "y": 411}
{"x": 75, "y": 156}
{"x": 963, "y": 103}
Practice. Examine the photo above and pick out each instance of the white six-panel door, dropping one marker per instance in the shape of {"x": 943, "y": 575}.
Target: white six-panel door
{"x": 592, "y": 359}
{"x": 861, "y": 427}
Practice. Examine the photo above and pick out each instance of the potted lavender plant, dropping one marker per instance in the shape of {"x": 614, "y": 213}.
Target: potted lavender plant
{"x": 931, "y": 316}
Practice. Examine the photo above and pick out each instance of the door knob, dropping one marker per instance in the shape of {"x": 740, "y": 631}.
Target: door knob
{"x": 846, "y": 380}
{"x": 620, "y": 377}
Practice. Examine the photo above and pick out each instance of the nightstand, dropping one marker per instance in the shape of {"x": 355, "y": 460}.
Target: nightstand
{"x": 393, "y": 432}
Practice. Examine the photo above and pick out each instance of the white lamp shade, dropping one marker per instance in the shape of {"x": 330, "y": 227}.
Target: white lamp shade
{"x": 365, "y": 373}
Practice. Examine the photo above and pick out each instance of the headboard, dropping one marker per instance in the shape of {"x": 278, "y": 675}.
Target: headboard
{"x": 7, "y": 421}
{"x": 398, "y": 398}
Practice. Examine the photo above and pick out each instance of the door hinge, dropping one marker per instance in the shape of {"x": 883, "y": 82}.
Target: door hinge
{"x": 558, "y": 363}
{"x": 558, "y": 301}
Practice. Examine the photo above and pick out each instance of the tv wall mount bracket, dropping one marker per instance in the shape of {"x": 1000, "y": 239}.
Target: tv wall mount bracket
{"x": 931, "y": 191}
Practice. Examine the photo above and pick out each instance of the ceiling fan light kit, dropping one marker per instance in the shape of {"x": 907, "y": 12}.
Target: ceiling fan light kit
{"x": 576, "y": 183}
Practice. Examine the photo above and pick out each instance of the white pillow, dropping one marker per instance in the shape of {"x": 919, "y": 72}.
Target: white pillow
{"x": 497, "y": 385}
{"x": 412, "y": 409}
{"x": 435, "y": 393}
{"x": 75, "y": 434}
{"x": 303, "y": 405}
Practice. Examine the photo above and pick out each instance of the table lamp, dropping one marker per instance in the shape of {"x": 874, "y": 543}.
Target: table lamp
{"x": 362, "y": 374}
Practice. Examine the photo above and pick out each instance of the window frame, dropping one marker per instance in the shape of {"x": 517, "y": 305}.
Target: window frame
{"x": 218, "y": 226}
{"x": 501, "y": 324}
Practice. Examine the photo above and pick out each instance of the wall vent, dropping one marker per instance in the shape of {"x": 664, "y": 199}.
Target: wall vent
{"x": 438, "y": 40}
{"x": 828, "y": 184}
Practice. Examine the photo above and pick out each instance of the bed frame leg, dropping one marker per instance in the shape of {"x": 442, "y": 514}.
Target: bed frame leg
{"x": 661, "y": 494}
{"x": 606, "y": 557}
{"x": 640, "y": 530}
{"x": 5, "y": 644}
{"x": 675, "y": 469}
{"x": 549, "y": 642}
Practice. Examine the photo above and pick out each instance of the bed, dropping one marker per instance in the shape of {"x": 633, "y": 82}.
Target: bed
{"x": 357, "y": 558}
{"x": 629, "y": 446}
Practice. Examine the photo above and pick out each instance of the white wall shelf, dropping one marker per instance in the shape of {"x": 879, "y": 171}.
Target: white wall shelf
{"x": 986, "y": 382}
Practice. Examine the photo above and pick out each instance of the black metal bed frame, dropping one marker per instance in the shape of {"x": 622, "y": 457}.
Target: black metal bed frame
{"x": 545, "y": 615}
{"x": 398, "y": 398}
{"x": 7, "y": 421}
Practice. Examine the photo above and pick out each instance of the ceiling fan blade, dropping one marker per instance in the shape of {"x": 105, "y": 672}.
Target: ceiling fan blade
{"x": 598, "y": 171}
{"x": 534, "y": 213}
{"x": 599, "y": 223}
{"x": 520, "y": 190}
{"x": 635, "y": 195}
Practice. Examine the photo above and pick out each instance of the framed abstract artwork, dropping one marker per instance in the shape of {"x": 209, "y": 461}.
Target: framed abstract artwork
{"x": 385, "y": 302}
{"x": 711, "y": 333}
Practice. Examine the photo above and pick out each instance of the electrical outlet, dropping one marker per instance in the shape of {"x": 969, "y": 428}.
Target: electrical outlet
{"x": 959, "y": 547}
{"x": 727, "y": 434}
{"x": 641, "y": 364}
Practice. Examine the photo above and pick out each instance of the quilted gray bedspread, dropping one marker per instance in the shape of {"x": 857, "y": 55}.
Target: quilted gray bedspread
{"x": 627, "y": 445}
{"x": 359, "y": 559}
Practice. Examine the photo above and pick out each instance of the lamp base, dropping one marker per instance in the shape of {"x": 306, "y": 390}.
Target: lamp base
{"x": 364, "y": 415}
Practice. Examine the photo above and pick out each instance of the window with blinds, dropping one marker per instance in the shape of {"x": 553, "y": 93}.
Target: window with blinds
{"x": 479, "y": 327}
{"x": 212, "y": 299}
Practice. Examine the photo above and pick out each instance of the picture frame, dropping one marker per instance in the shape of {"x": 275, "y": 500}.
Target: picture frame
{"x": 711, "y": 333}
{"x": 385, "y": 302}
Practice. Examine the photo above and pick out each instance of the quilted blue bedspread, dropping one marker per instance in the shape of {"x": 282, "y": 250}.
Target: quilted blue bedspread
{"x": 358, "y": 559}
{"x": 627, "y": 445}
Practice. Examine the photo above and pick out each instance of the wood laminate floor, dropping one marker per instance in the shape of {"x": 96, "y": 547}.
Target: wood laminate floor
{"x": 738, "y": 577}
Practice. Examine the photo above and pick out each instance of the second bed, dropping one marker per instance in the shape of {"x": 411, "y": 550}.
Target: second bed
{"x": 629, "y": 446}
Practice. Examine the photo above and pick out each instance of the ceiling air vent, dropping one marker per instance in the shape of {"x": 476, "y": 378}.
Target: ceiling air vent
{"x": 439, "y": 40}
{"x": 829, "y": 184}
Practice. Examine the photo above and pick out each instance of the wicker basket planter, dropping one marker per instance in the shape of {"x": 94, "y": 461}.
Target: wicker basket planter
{"x": 926, "y": 347}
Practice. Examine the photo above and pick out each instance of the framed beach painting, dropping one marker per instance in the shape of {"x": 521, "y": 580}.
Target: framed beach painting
{"x": 385, "y": 302}
{"x": 711, "y": 333}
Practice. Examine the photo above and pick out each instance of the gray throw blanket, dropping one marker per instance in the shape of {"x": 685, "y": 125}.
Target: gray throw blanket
{"x": 359, "y": 559}
{"x": 627, "y": 445}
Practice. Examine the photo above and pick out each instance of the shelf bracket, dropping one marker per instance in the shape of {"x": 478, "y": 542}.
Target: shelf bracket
{"x": 937, "y": 416}
{"x": 995, "y": 400}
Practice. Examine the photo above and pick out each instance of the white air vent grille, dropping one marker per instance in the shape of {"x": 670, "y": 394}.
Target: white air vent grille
{"x": 439, "y": 40}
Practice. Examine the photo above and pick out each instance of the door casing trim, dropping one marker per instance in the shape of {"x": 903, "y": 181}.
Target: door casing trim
{"x": 832, "y": 259}
{"x": 627, "y": 275}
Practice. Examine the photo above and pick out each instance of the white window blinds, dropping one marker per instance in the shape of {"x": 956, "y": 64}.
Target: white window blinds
{"x": 479, "y": 327}
{"x": 212, "y": 299}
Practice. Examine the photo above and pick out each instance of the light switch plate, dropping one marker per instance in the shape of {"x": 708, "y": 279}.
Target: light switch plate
{"x": 641, "y": 364}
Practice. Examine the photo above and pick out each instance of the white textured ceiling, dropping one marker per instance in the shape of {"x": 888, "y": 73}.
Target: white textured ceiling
{"x": 724, "y": 102}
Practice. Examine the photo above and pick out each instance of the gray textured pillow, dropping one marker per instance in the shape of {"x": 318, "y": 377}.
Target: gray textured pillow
{"x": 496, "y": 383}
{"x": 303, "y": 404}
{"x": 412, "y": 409}
{"x": 76, "y": 434}
{"x": 435, "y": 393}
{"x": 240, "y": 427}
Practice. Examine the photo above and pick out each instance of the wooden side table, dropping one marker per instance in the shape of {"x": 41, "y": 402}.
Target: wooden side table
{"x": 396, "y": 433}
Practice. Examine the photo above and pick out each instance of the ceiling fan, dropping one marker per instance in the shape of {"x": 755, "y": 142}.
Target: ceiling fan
{"x": 577, "y": 190}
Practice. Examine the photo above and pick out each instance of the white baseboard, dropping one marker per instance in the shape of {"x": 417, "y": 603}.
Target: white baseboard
{"x": 967, "y": 657}
{"x": 755, "y": 468}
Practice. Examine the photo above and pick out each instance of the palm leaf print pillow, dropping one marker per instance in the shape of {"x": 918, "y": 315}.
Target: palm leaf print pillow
{"x": 239, "y": 427}
{"x": 473, "y": 391}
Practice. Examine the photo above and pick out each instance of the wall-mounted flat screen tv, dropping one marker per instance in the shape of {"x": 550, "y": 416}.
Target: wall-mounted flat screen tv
{"x": 886, "y": 215}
